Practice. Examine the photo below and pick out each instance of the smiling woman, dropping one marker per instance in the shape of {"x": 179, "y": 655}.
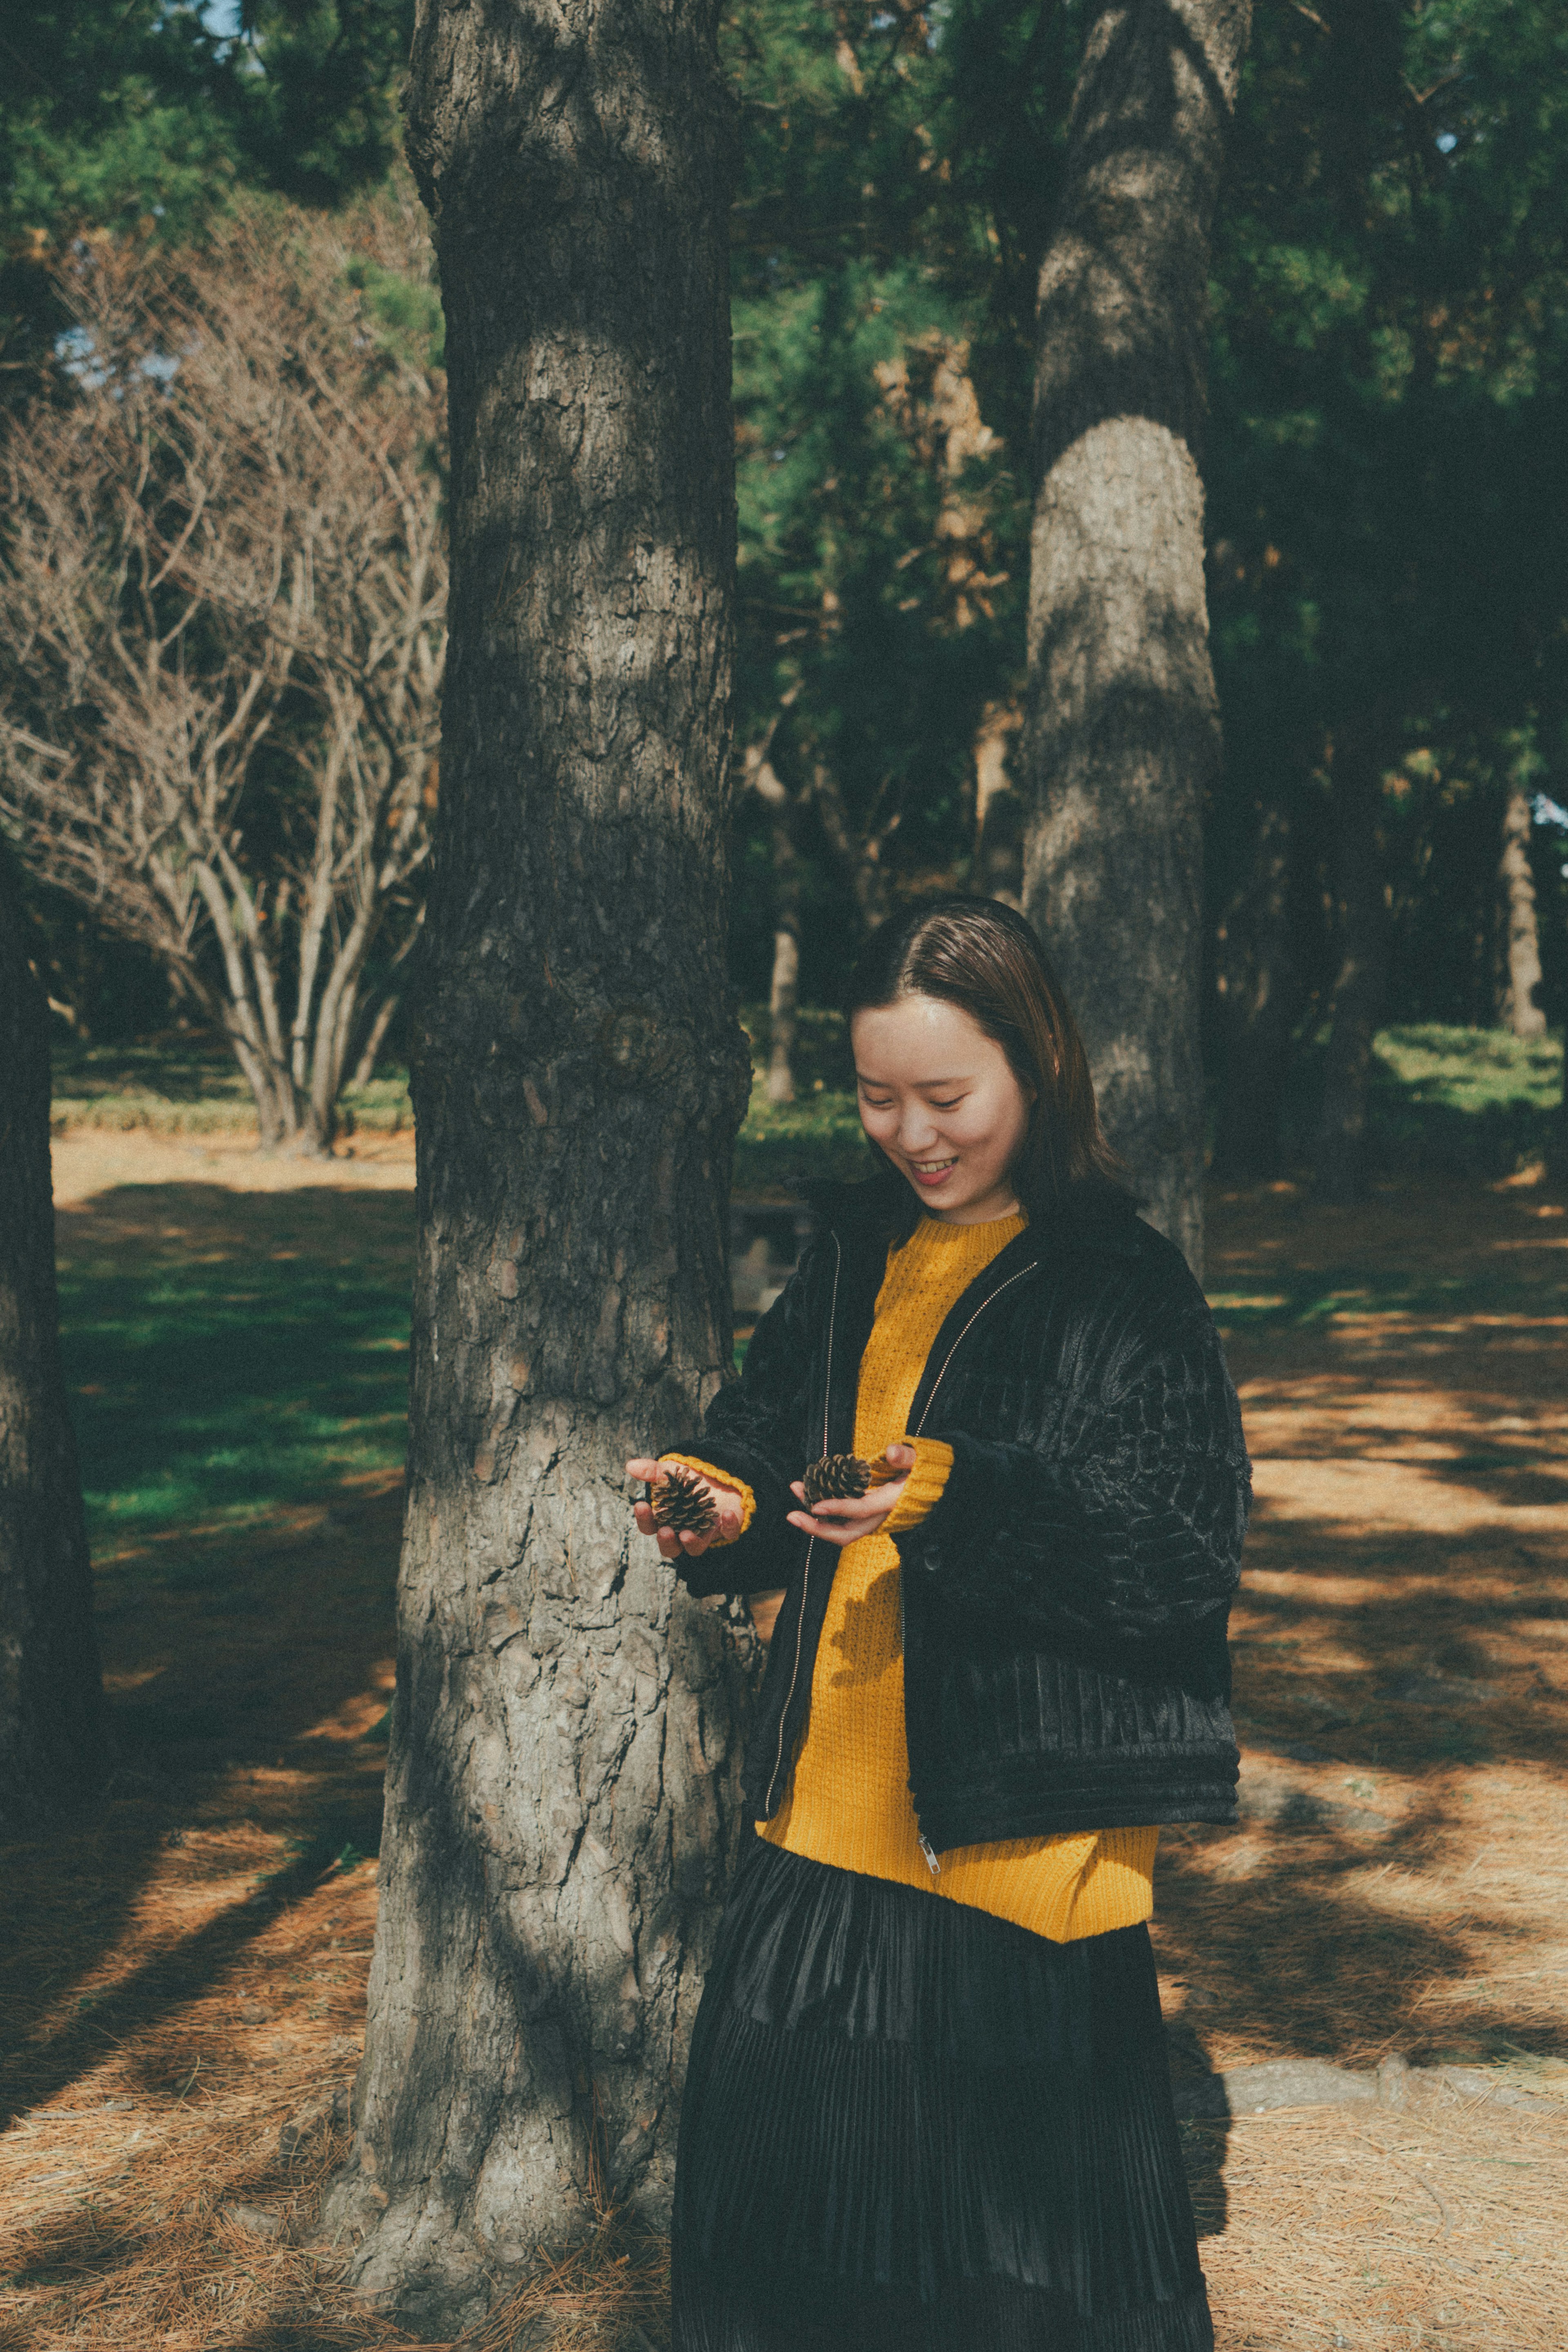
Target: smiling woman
{"x": 928, "y": 2103}
{"x": 966, "y": 1053}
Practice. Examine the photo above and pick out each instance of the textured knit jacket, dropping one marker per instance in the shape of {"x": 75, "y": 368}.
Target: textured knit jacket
{"x": 1065, "y": 1601}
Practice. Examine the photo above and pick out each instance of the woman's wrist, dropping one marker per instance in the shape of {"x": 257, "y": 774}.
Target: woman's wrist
{"x": 923, "y": 1486}
{"x": 733, "y": 1524}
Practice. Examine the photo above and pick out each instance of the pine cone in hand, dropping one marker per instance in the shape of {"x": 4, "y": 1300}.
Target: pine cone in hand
{"x": 679, "y": 1501}
{"x": 837, "y": 1475}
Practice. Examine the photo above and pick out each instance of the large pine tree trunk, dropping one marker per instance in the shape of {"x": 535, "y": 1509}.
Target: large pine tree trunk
{"x": 1122, "y": 732}
{"x": 54, "y": 1723}
{"x": 561, "y": 1801}
{"x": 1518, "y": 1009}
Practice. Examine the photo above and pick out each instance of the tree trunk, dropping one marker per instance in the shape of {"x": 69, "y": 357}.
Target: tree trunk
{"x": 998, "y": 811}
{"x": 784, "y": 989}
{"x": 54, "y": 1722}
{"x": 1518, "y": 1009}
{"x": 1340, "y": 1156}
{"x": 1122, "y": 732}
{"x": 562, "y": 1797}
{"x": 365, "y": 1067}
{"x": 1259, "y": 998}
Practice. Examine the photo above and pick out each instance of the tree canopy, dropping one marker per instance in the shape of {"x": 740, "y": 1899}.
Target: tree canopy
{"x": 1385, "y": 463}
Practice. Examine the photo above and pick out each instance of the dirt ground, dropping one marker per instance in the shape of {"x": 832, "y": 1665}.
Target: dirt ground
{"x": 88, "y": 1162}
{"x": 182, "y": 1979}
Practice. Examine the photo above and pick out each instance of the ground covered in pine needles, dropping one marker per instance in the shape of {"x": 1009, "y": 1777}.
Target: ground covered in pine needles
{"x": 182, "y": 1977}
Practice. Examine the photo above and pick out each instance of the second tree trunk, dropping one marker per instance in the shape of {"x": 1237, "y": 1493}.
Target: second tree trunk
{"x": 1124, "y": 734}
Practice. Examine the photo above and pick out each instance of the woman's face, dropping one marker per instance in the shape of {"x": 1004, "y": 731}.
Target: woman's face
{"x": 941, "y": 1099}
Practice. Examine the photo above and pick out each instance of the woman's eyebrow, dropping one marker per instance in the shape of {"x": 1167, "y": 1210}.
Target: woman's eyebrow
{"x": 919, "y": 1084}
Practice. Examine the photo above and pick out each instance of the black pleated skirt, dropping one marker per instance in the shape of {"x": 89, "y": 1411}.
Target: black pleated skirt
{"x": 908, "y": 2126}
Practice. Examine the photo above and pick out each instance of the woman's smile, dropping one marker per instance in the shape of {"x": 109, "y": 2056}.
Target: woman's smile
{"x": 933, "y": 1172}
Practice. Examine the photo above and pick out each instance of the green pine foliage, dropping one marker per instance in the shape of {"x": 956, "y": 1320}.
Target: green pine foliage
{"x": 882, "y": 518}
{"x": 1387, "y": 467}
{"x": 142, "y": 119}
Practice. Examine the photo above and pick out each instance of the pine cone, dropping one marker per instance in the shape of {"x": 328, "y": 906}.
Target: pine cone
{"x": 679, "y": 1501}
{"x": 838, "y": 1475}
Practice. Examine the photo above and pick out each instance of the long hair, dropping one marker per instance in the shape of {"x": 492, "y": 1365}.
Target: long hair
{"x": 979, "y": 955}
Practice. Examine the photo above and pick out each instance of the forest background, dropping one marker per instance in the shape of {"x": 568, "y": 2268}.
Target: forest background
{"x": 223, "y": 508}
{"x": 1386, "y": 471}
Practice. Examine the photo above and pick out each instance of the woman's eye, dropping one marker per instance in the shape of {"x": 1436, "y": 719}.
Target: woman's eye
{"x": 946, "y": 1106}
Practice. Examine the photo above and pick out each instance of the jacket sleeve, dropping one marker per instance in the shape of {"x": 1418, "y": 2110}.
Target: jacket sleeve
{"x": 751, "y": 1432}
{"x": 1130, "y": 1527}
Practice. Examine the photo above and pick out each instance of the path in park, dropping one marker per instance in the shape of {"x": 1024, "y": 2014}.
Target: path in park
{"x": 183, "y": 1995}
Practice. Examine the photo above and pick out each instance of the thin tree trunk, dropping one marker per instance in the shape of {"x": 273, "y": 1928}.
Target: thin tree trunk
{"x": 365, "y": 1067}
{"x": 1519, "y": 1010}
{"x": 54, "y": 1722}
{"x": 562, "y": 1799}
{"x": 784, "y": 987}
{"x": 1260, "y": 996}
{"x": 860, "y": 853}
{"x": 1123, "y": 734}
{"x": 1340, "y": 1156}
{"x": 998, "y": 811}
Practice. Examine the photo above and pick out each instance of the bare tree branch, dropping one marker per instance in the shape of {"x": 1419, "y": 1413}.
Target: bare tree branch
{"x": 223, "y": 632}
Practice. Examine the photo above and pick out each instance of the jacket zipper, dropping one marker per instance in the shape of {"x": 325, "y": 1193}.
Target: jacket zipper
{"x": 811, "y": 1544}
{"x": 965, "y": 1332}
{"x": 933, "y": 1860}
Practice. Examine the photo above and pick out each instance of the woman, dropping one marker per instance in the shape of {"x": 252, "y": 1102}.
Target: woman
{"x": 927, "y": 2103}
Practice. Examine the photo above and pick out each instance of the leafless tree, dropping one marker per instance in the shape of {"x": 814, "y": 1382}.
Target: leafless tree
{"x": 224, "y": 626}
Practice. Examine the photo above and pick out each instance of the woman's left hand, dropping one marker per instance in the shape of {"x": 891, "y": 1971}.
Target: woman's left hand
{"x": 845, "y": 1520}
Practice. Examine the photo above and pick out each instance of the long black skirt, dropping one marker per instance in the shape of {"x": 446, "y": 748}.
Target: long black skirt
{"x": 908, "y": 2126}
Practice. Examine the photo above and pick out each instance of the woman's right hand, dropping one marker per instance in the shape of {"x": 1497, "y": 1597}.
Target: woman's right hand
{"x": 726, "y": 1502}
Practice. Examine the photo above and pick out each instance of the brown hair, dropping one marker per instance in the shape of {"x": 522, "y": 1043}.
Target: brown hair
{"x": 979, "y": 955}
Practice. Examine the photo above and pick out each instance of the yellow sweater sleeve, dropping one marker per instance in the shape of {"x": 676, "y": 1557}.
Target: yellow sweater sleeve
{"x": 721, "y": 1478}
{"x": 923, "y": 1487}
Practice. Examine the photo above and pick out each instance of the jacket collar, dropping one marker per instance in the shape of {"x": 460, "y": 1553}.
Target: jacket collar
{"x": 1086, "y": 1218}
{"x": 861, "y": 1219}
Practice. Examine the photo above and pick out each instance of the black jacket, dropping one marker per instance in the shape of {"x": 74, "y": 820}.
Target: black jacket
{"x": 1065, "y": 1603}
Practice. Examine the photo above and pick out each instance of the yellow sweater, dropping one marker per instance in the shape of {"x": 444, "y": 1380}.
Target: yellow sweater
{"x": 847, "y": 1802}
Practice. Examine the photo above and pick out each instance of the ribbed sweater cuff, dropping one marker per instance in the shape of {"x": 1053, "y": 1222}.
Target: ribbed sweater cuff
{"x": 736, "y": 1487}
{"x": 923, "y": 1487}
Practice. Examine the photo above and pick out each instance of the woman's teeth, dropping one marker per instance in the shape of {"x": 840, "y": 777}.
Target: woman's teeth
{"x": 930, "y": 1168}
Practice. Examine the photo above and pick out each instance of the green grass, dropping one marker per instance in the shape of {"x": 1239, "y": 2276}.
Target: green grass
{"x": 782, "y": 1146}
{"x": 1472, "y": 1101}
{"x": 1442, "y": 1099}
{"x": 231, "y": 1352}
{"x": 179, "y": 1085}
{"x": 1470, "y": 1070}
{"x": 1268, "y": 1304}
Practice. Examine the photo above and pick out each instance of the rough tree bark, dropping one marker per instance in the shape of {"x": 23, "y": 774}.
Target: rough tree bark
{"x": 54, "y": 1722}
{"x": 561, "y": 1799}
{"x": 1518, "y": 1009}
{"x": 1261, "y": 995}
{"x": 1123, "y": 734}
{"x": 1340, "y": 1154}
